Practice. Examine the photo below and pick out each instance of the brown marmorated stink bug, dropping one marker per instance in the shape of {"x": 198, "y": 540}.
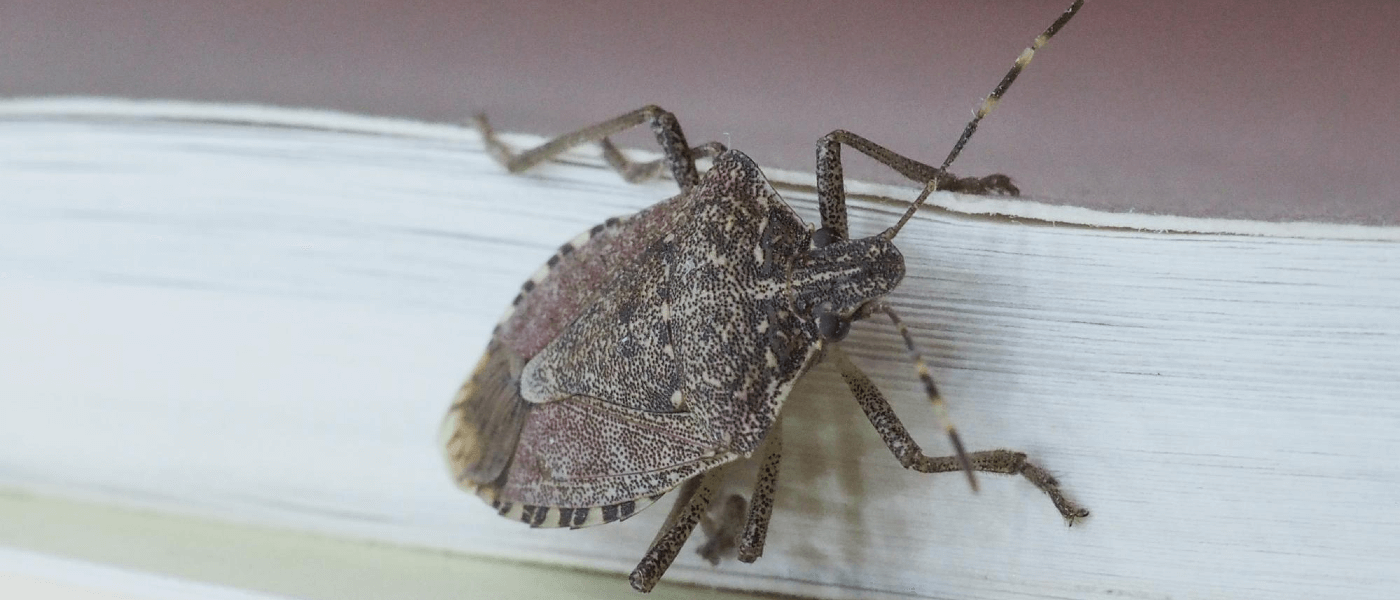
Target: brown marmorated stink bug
{"x": 654, "y": 348}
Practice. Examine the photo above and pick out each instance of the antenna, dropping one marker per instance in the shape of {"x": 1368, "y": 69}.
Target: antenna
{"x": 987, "y": 105}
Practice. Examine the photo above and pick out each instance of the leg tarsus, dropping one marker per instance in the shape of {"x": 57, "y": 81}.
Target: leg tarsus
{"x": 1005, "y": 462}
{"x": 500, "y": 152}
{"x": 992, "y": 185}
{"x": 1042, "y": 479}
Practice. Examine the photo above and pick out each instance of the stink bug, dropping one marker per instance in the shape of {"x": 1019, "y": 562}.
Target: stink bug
{"x": 654, "y": 348}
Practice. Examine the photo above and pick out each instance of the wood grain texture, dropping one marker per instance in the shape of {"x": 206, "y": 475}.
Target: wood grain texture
{"x": 265, "y": 324}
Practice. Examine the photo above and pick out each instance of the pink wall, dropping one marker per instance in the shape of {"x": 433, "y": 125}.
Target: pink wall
{"x": 1260, "y": 109}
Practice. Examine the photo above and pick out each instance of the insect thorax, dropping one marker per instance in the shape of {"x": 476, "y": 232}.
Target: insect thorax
{"x": 717, "y": 316}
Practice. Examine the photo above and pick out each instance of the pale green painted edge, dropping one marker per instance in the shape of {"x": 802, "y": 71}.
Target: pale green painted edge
{"x": 292, "y": 564}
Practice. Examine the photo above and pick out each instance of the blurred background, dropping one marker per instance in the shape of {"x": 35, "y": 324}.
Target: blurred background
{"x": 1253, "y": 109}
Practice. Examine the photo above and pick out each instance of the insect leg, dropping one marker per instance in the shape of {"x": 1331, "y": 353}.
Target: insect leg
{"x": 831, "y": 189}
{"x": 694, "y": 500}
{"x": 753, "y": 516}
{"x": 831, "y": 186}
{"x": 761, "y": 502}
{"x": 940, "y": 407}
{"x": 678, "y": 156}
{"x": 637, "y": 172}
{"x": 897, "y": 438}
{"x": 831, "y": 179}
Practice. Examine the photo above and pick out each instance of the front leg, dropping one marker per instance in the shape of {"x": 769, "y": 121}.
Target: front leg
{"x": 903, "y": 446}
{"x": 831, "y": 190}
{"x": 831, "y": 181}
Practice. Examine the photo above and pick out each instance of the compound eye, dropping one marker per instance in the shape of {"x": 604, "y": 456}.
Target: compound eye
{"x": 831, "y": 327}
{"x": 823, "y": 237}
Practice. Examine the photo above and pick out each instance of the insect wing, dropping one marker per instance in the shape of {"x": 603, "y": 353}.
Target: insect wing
{"x": 479, "y": 433}
{"x": 702, "y": 322}
{"x": 582, "y": 461}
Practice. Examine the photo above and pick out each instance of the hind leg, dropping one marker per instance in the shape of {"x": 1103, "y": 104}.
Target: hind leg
{"x": 694, "y": 500}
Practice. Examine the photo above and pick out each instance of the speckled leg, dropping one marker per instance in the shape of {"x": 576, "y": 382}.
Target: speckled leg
{"x": 761, "y": 502}
{"x": 679, "y": 156}
{"x": 753, "y": 516}
{"x": 638, "y": 172}
{"x": 831, "y": 179}
{"x": 1006, "y": 462}
{"x": 831, "y": 186}
{"x": 897, "y": 438}
{"x": 694, "y": 500}
{"x": 831, "y": 190}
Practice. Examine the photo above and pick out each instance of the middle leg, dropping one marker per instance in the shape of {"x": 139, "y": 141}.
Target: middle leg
{"x": 678, "y": 154}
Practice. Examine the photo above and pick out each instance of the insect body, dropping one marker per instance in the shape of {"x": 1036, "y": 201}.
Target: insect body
{"x": 655, "y": 348}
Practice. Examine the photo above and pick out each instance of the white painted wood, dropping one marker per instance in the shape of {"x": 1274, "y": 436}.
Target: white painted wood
{"x": 264, "y": 324}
